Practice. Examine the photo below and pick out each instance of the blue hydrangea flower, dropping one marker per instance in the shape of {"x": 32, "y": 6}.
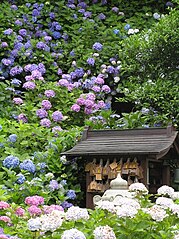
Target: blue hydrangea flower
{"x": 71, "y": 194}
{"x": 127, "y": 27}
{"x": 16, "y": 82}
{"x": 28, "y": 165}
{"x": 21, "y": 178}
{"x": 13, "y": 138}
{"x": 56, "y": 35}
{"x": 11, "y": 162}
{"x": 0, "y": 127}
{"x": 97, "y": 46}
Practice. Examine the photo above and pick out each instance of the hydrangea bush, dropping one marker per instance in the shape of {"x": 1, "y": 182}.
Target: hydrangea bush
{"x": 135, "y": 217}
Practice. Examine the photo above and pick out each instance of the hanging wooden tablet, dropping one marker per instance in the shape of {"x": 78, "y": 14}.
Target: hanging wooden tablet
{"x": 106, "y": 169}
{"x": 125, "y": 168}
{"x": 99, "y": 170}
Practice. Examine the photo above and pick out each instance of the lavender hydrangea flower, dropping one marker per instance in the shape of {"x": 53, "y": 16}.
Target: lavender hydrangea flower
{"x": 14, "y": 7}
{"x": 97, "y": 46}
{"x": 46, "y": 104}
{"x": 53, "y": 185}
{"x": 18, "y": 22}
{"x": 63, "y": 82}
{"x": 41, "y": 113}
{"x": 50, "y": 93}
{"x": 11, "y": 162}
{"x": 66, "y": 204}
{"x": 28, "y": 165}
{"x": 4, "y": 44}
{"x": 55, "y": 129}
{"x": 57, "y": 116}
{"x": 17, "y": 101}
{"x": 45, "y": 122}
{"x": 29, "y": 85}
{"x": 22, "y": 117}
{"x": 59, "y": 71}
{"x": 75, "y": 108}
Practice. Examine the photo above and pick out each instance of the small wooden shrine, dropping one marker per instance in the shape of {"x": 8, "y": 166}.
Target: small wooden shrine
{"x": 140, "y": 155}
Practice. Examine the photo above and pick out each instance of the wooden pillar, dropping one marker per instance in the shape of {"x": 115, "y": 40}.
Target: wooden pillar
{"x": 166, "y": 175}
{"x": 144, "y": 165}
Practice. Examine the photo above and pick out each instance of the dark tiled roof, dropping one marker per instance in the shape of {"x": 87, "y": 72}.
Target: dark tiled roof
{"x": 155, "y": 141}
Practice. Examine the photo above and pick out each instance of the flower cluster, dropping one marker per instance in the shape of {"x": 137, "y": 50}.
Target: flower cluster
{"x": 75, "y": 213}
{"x": 104, "y": 232}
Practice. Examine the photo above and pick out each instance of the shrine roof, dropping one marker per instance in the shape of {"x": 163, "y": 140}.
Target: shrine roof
{"x": 145, "y": 141}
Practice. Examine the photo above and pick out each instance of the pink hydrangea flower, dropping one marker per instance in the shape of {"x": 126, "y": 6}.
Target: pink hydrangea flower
{"x": 20, "y": 212}
{"x": 4, "y": 205}
{"x": 48, "y": 209}
{"x": 34, "y": 200}
{"x": 5, "y": 219}
{"x": 34, "y": 210}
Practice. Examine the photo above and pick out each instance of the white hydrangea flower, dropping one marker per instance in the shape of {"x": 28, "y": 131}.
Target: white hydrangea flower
{"x": 49, "y": 175}
{"x": 116, "y": 79}
{"x": 52, "y": 221}
{"x": 34, "y": 224}
{"x": 104, "y": 232}
{"x": 73, "y": 234}
{"x": 156, "y": 16}
{"x": 176, "y": 236}
{"x": 175, "y": 195}
{"x": 175, "y": 209}
{"x": 122, "y": 201}
{"x": 106, "y": 205}
{"x": 156, "y": 212}
{"x": 130, "y": 31}
{"x": 165, "y": 190}
{"x": 75, "y": 213}
{"x": 126, "y": 211}
{"x": 164, "y": 202}
{"x": 138, "y": 187}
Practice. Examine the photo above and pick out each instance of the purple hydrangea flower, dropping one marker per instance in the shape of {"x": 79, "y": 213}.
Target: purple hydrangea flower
{"x": 79, "y": 72}
{"x": 66, "y": 204}
{"x": 101, "y": 16}
{"x": 90, "y": 96}
{"x": 41, "y": 68}
{"x": 59, "y": 71}
{"x": 115, "y": 9}
{"x": 101, "y": 104}
{"x": 23, "y": 32}
{"x": 16, "y": 70}
{"x": 22, "y": 117}
{"x": 35, "y": 13}
{"x": 89, "y": 103}
{"x": 17, "y": 101}
{"x": 47, "y": 38}
{"x": 75, "y": 108}
{"x": 41, "y": 113}
{"x": 71, "y": 194}
{"x": 88, "y": 111}
{"x": 18, "y": 22}
{"x": 29, "y": 85}
{"x": 4, "y": 44}
{"x": 6, "y": 62}
{"x": 57, "y": 116}
{"x": 80, "y": 101}
{"x": 50, "y": 93}
{"x": 96, "y": 88}
{"x": 91, "y": 61}
{"x": 36, "y": 74}
{"x": 99, "y": 81}
{"x": 45, "y": 122}
{"x": 14, "y": 7}
{"x": 46, "y": 104}
{"x": 41, "y": 45}
{"x": 106, "y": 89}
{"x": 53, "y": 185}
{"x": 110, "y": 69}
{"x": 97, "y": 46}
{"x": 63, "y": 82}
